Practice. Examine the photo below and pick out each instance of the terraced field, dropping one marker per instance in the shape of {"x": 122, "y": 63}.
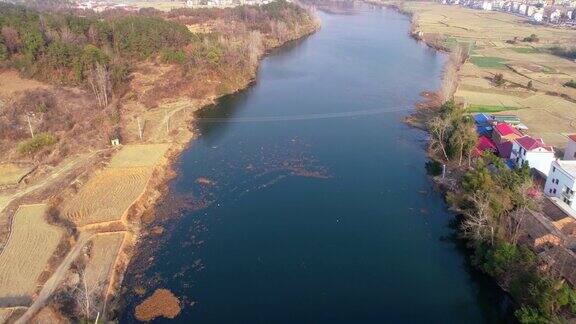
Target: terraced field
{"x": 102, "y": 258}
{"x": 31, "y": 244}
{"x": 146, "y": 155}
{"x": 107, "y": 195}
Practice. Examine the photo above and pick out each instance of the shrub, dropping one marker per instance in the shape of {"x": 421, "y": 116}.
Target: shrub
{"x": 499, "y": 79}
{"x": 569, "y": 53}
{"x": 433, "y": 168}
{"x": 530, "y": 315}
{"x": 173, "y": 56}
{"x": 36, "y": 143}
{"x": 531, "y": 39}
{"x": 3, "y": 52}
{"x": 571, "y": 84}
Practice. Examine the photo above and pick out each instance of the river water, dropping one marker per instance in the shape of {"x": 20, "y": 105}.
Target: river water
{"x": 317, "y": 208}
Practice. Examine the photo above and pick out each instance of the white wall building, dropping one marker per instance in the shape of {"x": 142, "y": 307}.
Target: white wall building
{"x": 538, "y": 16}
{"x": 561, "y": 181}
{"x": 555, "y": 16}
{"x": 522, "y": 9}
{"x": 487, "y": 5}
{"x": 570, "y": 151}
{"x": 532, "y": 151}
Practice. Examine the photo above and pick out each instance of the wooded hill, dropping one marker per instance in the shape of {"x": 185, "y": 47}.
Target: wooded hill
{"x": 98, "y": 52}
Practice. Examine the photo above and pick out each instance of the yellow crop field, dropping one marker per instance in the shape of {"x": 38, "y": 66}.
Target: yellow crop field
{"x": 105, "y": 248}
{"x": 11, "y": 173}
{"x": 141, "y": 155}
{"x": 30, "y": 246}
{"x": 107, "y": 195}
{"x": 160, "y": 5}
{"x": 489, "y": 99}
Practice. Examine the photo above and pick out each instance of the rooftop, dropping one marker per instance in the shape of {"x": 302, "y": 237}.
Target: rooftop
{"x": 505, "y": 149}
{"x": 482, "y": 119}
{"x": 529, "y": 143}
{"x": 572, "y": 137}
{"x": 568, "y": 166}
{"x": 555, "y": 209}
{"x": 505, "y": 129}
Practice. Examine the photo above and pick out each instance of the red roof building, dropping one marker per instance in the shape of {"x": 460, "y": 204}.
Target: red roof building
{"x": 505, "y": 132}
{"x": 505, "y": 149}
{"x": 532, "y": 144}
{"x": 485, "y": 144}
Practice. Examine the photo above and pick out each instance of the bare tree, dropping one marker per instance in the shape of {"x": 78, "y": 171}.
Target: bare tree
{"x": 439, "y": 130}
{"x": 99, "y": 80}
{"x": 477, "y": 224}
{"x": 254, "y": 47}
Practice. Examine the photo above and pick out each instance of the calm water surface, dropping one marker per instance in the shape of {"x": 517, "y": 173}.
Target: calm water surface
{"x": 318, "y": 206}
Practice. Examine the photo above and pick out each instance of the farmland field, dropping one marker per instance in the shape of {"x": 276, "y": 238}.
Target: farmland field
{"x": 107, "y": 195}
{"x": 488, "y": 62}
{"x": 488, "y": 99}
{"x": 488, "y": 109}
{"x": 159, "y": 5}
{"x": 32, "y": 243}
{"x": 11, "y": 173}
{"x": 533, "y": 77}
{"x": 102, "y": 257}
{"x": 145, "y": 155}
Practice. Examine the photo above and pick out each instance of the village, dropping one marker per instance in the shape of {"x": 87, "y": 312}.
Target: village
{"x": 551, "y": 231}
{"x": 103, "y": 5}
{"x": 561, "y": 12}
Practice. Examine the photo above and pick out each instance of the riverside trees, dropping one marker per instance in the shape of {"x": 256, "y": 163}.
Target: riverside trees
{"x": 488, "y": 193}
{"x": 453, "y": 134}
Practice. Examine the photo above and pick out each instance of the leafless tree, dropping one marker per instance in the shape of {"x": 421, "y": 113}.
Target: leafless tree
{"x": 477, "y": 224}
{"x": 99, "y": 80}
{"x": 88, "y": 293}
{"x": 439, "y": 130}
{"x": 254, "y": 47}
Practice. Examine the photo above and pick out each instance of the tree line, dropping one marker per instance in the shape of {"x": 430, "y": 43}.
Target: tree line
{"x": 487, "y": 194}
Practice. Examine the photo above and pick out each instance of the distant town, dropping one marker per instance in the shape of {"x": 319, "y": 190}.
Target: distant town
{"x": 561, "y": 12}
{"x": 98, "y": 5}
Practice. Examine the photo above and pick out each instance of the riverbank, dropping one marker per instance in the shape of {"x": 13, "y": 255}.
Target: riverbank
{"x": 269, "y": 234}
{"x": 490, "y": 198}
{"x": 127, "y": 180}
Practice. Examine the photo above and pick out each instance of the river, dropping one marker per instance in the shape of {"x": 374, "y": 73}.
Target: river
{"x": 317, "y": 208}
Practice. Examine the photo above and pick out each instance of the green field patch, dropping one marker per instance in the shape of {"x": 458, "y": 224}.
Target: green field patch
{"x": 525, "y": 50}
{"x": 488, "y": 62}
{"x": 549, "y": 70}
{"x": 452, "y": 42}
{"x": 473, "y": 108}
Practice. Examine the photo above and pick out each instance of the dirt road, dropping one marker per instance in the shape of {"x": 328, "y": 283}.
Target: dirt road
{"x": 54, "y": 281}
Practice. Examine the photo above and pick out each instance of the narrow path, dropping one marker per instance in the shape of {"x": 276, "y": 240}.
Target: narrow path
{"x": 62, "y": 171}
{"x": 54, "y": 281}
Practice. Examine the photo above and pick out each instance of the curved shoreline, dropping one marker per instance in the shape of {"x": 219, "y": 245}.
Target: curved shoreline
{"x": 159, "y": 190}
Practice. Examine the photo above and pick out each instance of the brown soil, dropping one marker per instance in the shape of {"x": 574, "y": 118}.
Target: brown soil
{"x": 161, "y": 303}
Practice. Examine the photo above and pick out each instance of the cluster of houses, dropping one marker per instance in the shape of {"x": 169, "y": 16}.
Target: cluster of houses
{"x": 554, "y": 12}
{"x": 99, "y": 6}
{"x": 551, "y": 229}
{"x": 224, "y": 3}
